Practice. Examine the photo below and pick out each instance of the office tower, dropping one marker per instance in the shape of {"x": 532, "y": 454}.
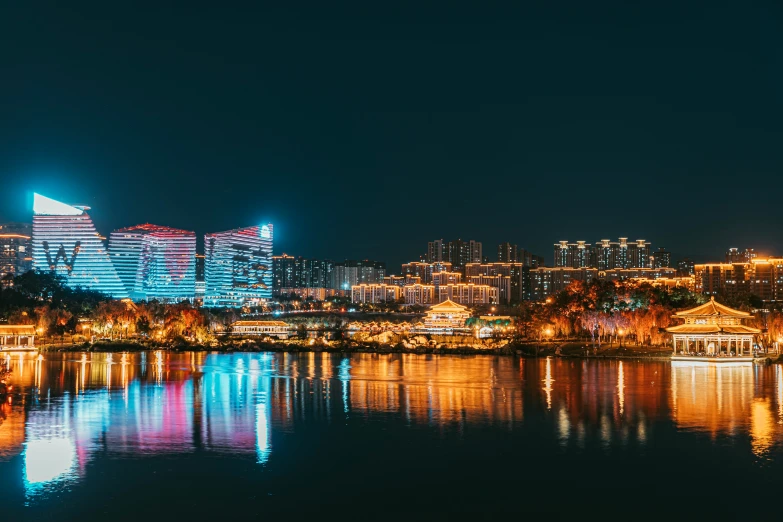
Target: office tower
{"x": 155, "y": 262}
{"x": 65, "y": 243}
{"x": 238, "y": 266}
{"x": 15, "y": 251}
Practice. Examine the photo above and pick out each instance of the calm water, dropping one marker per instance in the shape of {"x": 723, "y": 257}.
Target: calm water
{"x": 159, "y": 436}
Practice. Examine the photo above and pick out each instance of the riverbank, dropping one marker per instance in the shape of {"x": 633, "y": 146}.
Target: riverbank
{"x": 486, "y": 347}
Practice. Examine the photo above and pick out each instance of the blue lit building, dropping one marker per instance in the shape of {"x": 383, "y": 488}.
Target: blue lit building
{"x": 155, "y": 262}
{"x": 238, "y": 266}
{"x": 66, "y": 243}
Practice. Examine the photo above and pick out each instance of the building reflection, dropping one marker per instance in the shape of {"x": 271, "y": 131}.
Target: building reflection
{"x": 729, "y": 401}
{"x": 72, "y": 407}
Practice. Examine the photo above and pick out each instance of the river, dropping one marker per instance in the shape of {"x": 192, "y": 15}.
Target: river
{"x": 199, "y": 436}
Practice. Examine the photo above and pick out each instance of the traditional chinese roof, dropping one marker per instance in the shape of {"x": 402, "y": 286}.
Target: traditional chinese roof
{"x": 448, "y": 306}
{"x": 17, "y": 329}
{"x": 711, "y": 308}
{"x": 702, "y": 329}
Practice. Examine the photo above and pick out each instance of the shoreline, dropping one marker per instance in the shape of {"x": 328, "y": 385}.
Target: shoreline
{"x": 523, "y": 350}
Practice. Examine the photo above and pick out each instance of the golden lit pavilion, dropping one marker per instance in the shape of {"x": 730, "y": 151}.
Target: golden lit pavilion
{"x": 447, "y": 315}
{"x": 15, "y": 337}
{"x": 712, "y": 329}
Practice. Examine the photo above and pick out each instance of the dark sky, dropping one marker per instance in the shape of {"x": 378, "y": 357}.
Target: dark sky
{"x": 367, "y": 130}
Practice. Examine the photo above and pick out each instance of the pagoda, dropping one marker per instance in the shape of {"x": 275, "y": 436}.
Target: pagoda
{"x": 447, "y": 315}
{"x": 712, "y": 329}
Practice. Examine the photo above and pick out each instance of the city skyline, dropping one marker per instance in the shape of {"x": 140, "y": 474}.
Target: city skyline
{"x": 309, "y": 118}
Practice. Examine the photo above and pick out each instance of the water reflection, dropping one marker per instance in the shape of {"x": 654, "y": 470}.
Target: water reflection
{"x": 69, "y": 409}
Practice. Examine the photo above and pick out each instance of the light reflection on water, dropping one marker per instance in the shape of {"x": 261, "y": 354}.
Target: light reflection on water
{"x": 71, "y": 409}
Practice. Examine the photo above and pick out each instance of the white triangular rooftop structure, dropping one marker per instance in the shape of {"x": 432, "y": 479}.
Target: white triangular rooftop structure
{"x": 51, "y": 207}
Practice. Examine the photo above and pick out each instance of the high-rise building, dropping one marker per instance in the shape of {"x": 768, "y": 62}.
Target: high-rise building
{"x": 436, "y": 251}
{"x": 545, "y": 282}
{"x": 285, "y": 272}
{"x": 508, "y": 253}
{"x": 638, "y": 254}
{"x": 155, "y": 262}
{"x": 349, "y": 273}
{"x": 15, "y": 251}
{"x": 608, "y": 255}
{"x": 685, "y": 267}
{"x": 661, "y": 258}
{"x": 509, "y": 278}
{"x": 735, "y": 255}
{"x": 573, "y": 255}
{"x": 460, "y": 253}
{"x": 529, "y": 259}
{"x": 238, "y": 266}
{"x": 425, "y": 271}
{"x": 65, "y": 243}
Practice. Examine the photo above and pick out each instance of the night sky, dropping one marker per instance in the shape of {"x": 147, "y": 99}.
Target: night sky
{"x": 364, "y": 131}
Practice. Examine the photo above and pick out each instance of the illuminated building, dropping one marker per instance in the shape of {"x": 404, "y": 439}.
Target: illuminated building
{"x": 419, "y": 294}
{"x": 607, "y": 255}
{"x": 238, "y": 266}
{"x": 668, "y": 282}
{"x": 518, "y": 278}
{"x": 285, "y": 272}
{"x": 625, "y": 274}
{"x": 65, "y": 243}
{"x": 638, "y": 254}
{"x": 425, "y": 270}
{"x": 318, "y": 294}
{"x": 528, "y": 259}
{"x": 661, "y": 258}
{"x": 508, "y": 253}
{"x": 155, "y": 262}
{"x": 401, "y": 280}
{"x": 502, "y": 283}
{"x": 15, "y": 251}
{"x": 350, "y": 273}
{"x": 436, "y": 251}
{"x": 277, "y": 329}
{"x": 446, "y": 278}
{"x": 720, "y": 278}
{"x": 545, "y": 282}
{"x": 685, "y": 267}
{"x": 375, "y": 293}
{"x": 762, "y": 277}
{"x": 712, "y": 329}
{"x": 468, "y": 293}
{"x": 573, "y": 255}
{"x": 460, "y": 253}
{"x": 735, "y": 255}
{"x": 447, "y": 315}
{"x": 17, "y": 337}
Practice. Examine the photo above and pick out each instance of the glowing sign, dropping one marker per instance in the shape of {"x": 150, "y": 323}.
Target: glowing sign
{"x": 51, "y": 207}
{"x": 265, "y": 233}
